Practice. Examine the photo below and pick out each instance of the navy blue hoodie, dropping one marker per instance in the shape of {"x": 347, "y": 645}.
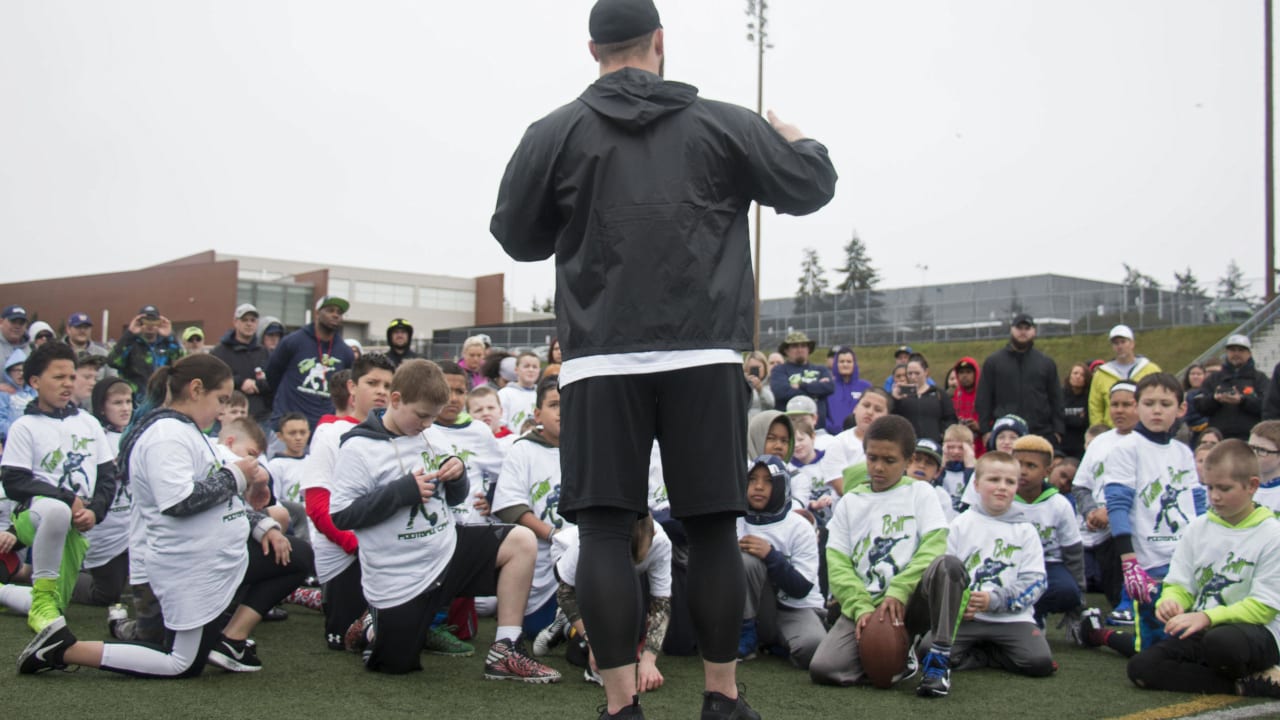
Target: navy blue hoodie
{"x": 299, "y": 370}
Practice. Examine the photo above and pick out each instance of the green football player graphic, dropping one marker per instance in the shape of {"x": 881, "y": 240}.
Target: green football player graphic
{"x": 1169, "y": 506}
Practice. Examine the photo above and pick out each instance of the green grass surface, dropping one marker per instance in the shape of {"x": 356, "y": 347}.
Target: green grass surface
{"x": 302, "y": 679}
{"x": 1170, "y": 348}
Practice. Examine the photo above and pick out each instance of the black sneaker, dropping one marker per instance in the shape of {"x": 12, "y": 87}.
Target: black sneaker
{"x": 631, "y": 711}
{"x": 718, "y": 707}
{"x": 46, "y": 650}
{"x": 235, "y": 656}
{"x": 1261, "y": 684}
{"x": 276, "y": 614}
{"x": 937, "y": 676}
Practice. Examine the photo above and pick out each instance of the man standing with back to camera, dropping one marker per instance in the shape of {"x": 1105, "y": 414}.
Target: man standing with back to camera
{"x": 641, "y": 189}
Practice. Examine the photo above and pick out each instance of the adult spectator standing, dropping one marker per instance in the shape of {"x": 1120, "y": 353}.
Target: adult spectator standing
{"x": 847, "y": 388}
{"x": 640, "y": 189}
{"x": 193, "y": 341}
{"x": 13, "y": 330}
{"x": 298, "y": 371}
{"x": 925, "y": 406}
{"x": 900, "y": 357}
{"x": 400, "y": 342}
{"x": 965, "y": 400}
{"x": 80, "y": 336}
{"x": 1232, "y": 397}
{"x": 240, "y": 350}
{"x": 270, "y": 332}
{"x": 1126, "y": 365}
{"x": 148, "y": 343}
{"x": 798, "y": 376}
{"x": 1020, "y": 380}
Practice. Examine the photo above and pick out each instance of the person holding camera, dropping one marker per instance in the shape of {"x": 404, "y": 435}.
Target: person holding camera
{"x": 1232, "y": 397}
{"x": 755, "y": 368}
{"x": 925, "y": 406}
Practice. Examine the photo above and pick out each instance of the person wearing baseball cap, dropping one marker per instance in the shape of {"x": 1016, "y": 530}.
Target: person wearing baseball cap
{"x": 799, "y": 377}
{"x": 13, "y": 329}
{"x": 193, "y": 340}
{"x": 241, "y": 350}
{"x": 1126, "y": 365}
{"x": 299, "y": 368}
{"x": 1232, "y": 397}
{"x": 79, "y": 335}
{"x": 147, "y": 344}
{"x": 1020, "y": 380}
{"x": 636, "y": 151}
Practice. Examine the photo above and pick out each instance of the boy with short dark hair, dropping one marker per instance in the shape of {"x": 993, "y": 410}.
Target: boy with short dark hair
{"x": 368, "y": 385}
{"x": 1150, "y": 482}
{"x": 60, "y": 471}
{"x": 1219, "y": 599}
{"x": 528, "y": 494}
{"x": 470, "y": 441}
{"x": 287, "y": 468}
{"x": 394, "y": 490}
{"x": 1003, "y": 557}
{"x": 887, "y": 563}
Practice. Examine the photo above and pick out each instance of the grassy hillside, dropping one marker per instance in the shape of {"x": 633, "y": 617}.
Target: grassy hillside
{"x": 1170, "y": 348}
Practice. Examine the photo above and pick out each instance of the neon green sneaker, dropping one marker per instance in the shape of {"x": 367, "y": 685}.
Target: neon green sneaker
{"x": 44, "y": 604}
{"x": 441, "y": 641}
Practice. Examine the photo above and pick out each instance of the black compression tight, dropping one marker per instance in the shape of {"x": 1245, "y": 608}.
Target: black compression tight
{"x": 609, "y": 591}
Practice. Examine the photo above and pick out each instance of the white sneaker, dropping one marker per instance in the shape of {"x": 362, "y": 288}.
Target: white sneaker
{"x": 592, "y": 676}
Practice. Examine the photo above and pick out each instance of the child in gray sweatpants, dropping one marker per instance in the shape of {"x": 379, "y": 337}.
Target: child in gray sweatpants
{"x": 780, "y": 561}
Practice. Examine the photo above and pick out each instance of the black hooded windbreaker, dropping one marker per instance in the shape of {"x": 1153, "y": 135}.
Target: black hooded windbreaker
{"x": 640, "y": 189}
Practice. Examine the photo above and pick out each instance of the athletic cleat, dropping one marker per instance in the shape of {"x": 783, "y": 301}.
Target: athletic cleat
{"x": 937, "y": 676}
{"x": 1087, "y": 629}
{"x": 358, "y": 635}
{"x": 631, "y": 711}
{"x": 507, "y": 660}
{"x": 551, "y": 635}
{"x": 1120, "y": 617}
{"x": 592, "y": 676}
{"x": 116, "y": 614}
{"x": 235, "y": 656}
{"x": 276, "y": 614}
{"x": 441, "y": 641}
{"x": 44, "y": 604}
{"x": 913, "y": 666}
{"x": 718, "y": 707}
{"x": 1261, "y": 684}
{"x": 45, "y": 651}
{"x": 334, "y": 641}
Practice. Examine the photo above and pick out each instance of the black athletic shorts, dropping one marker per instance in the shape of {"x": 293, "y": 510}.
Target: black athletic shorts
{"x": 698, "y": 415}
{"x": 399, "y": 632}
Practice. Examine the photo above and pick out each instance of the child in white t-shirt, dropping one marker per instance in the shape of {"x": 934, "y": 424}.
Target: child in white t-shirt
{"x": 395, "y": 491}
{"x": 59, "y": 470}
{"x": 518, "y": 398}
{"x": 528, "y": 494}
{"x": 286, "y": 469}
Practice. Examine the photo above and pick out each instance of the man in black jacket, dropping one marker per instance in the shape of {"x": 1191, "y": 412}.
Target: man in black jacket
{"x": 1020, "y": 380}
{"x": 400, "y": 341}
{"x": 240, "y": 350}
{"x": 640, "y": 189}
{"x": 1232, "y": 397}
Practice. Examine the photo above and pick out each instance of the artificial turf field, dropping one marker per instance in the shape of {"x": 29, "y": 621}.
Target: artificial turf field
{"x": 303, "y": 679}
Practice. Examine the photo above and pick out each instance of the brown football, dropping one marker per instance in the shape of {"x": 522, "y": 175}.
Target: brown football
{"x": 883, "y": 651}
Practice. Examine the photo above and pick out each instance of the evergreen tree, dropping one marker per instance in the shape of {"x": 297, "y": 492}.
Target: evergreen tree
{"x": 812, "y": 289}
{"x": 857, "y": 270}
{"x": 1232, "y": 285}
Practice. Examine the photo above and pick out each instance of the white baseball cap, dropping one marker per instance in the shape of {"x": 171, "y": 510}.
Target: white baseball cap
{"x": 1240, "y": 341}
{"x": 245, "y": 309}
{"x": 802, "y": 405}
{"x": 1121, "y": 331}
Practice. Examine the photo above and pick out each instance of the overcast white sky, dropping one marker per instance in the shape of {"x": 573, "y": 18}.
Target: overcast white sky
{"x": 983, "y": 138}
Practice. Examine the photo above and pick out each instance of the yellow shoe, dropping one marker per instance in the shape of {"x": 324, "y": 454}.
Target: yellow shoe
{"x": 44, "y": 604}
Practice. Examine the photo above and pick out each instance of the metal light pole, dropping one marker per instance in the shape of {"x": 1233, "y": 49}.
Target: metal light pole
{"x": 1269, "y": 160}
{"x": 756, "y": 32}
